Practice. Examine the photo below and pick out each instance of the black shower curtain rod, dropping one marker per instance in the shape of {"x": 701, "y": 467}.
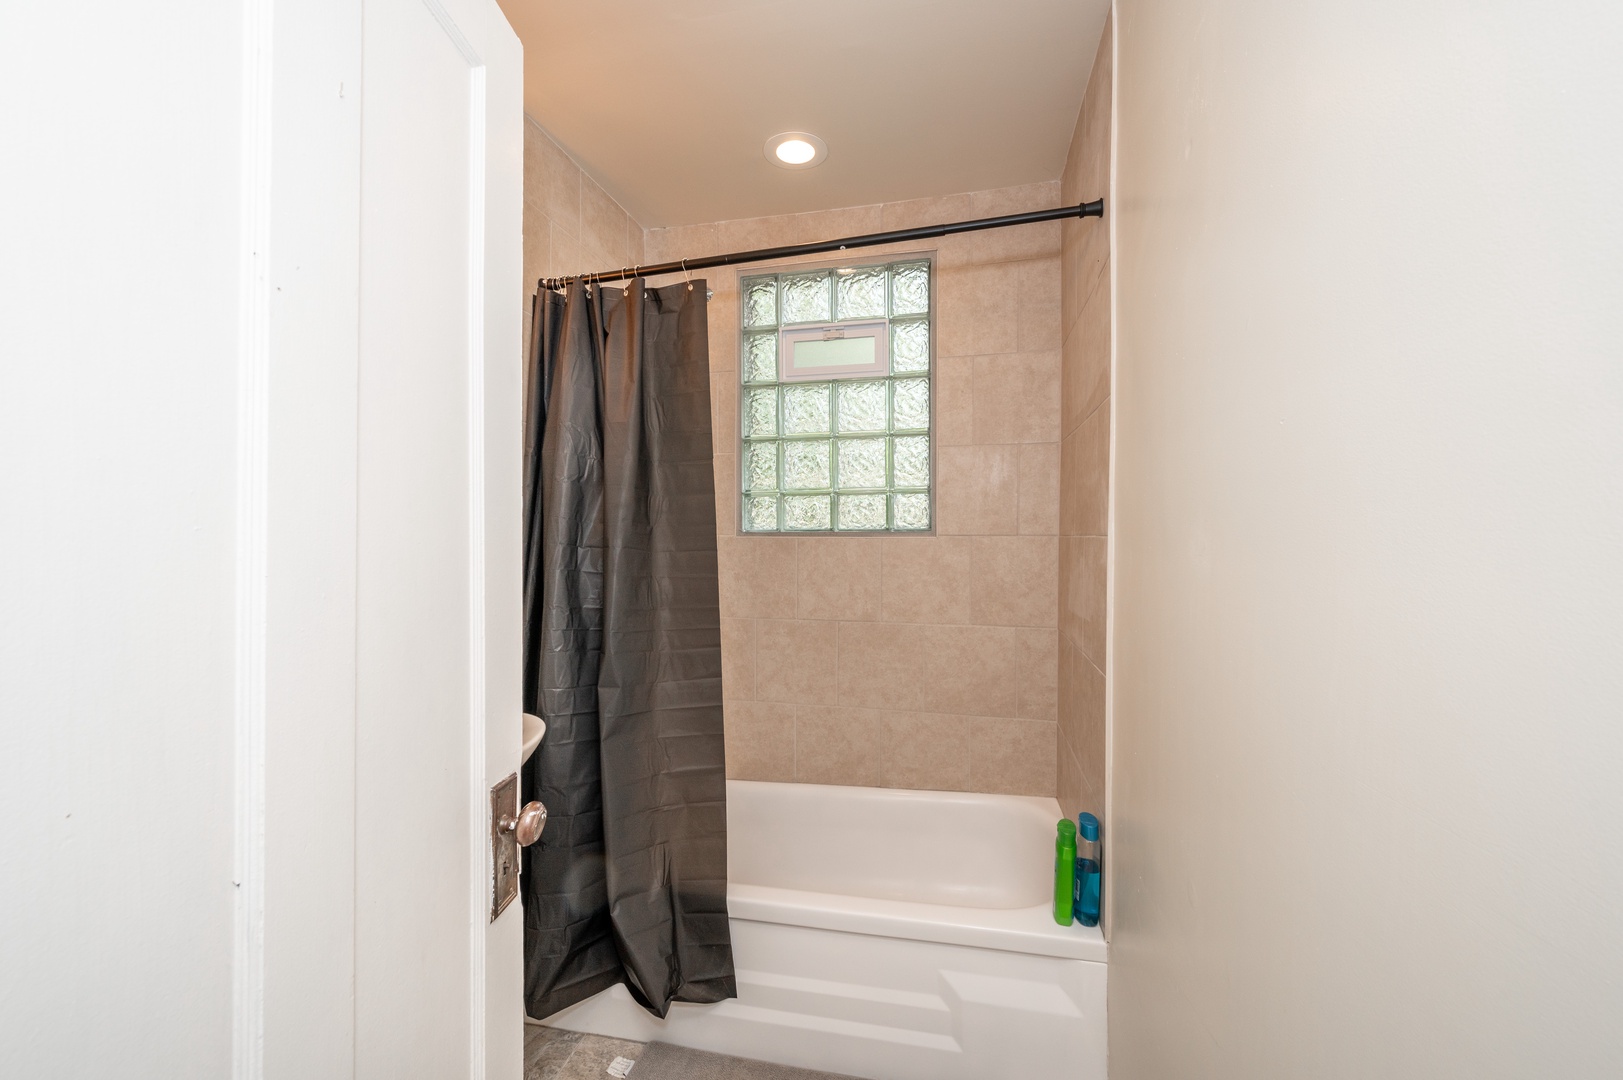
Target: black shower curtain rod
{"x": 1096, "y": 208}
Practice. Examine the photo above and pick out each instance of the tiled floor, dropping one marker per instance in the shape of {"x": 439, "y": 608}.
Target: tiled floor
{"x": 555, "y": 1054}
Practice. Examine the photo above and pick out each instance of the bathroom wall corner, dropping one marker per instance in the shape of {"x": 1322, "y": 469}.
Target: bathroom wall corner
{"x": 1087, "y": 303}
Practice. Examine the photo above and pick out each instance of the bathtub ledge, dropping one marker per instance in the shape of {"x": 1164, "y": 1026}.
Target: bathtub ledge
{"x": 1021, "y": 930}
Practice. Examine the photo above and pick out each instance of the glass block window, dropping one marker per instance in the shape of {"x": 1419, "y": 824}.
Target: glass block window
{"x": 841, "y": 454}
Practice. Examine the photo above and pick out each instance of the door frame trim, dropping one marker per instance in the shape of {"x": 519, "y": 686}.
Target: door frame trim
{"x": 479, "y": 869}
{"x": 252, "y": 541}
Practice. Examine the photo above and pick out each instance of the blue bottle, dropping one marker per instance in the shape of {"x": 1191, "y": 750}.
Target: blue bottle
{"x": 1089, "y": 871}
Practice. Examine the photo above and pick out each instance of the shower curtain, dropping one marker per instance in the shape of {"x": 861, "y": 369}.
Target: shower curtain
{"x": 622, "y": 638}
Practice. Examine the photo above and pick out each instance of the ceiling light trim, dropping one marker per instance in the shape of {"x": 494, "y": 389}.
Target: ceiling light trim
{"x": 819, "y": 150}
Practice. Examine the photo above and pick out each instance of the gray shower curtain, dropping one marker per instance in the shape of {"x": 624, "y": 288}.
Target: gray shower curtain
{"x": 623, "y": 653}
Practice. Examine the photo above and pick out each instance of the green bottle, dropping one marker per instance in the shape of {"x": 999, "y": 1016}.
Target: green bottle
{"x": 1064, "y": 870}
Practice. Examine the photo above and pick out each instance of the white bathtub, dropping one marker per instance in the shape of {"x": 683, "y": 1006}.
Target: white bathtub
{"x": 896, "y": 935}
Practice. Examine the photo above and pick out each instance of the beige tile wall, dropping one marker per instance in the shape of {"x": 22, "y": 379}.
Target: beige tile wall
{"x": 928, "y": 662}
{"x": 571, "y": 225}
{"x": 1085, "y": 451}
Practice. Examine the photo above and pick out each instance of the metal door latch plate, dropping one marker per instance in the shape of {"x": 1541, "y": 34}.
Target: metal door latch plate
{"x": 504, "y": 849}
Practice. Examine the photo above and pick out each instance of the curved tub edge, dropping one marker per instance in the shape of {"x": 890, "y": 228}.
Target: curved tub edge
{"x": 1023, "y": 930}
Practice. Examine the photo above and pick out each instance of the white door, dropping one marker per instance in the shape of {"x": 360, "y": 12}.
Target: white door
{"x": 259, "y": 538}
{"x": 438, "y": 984}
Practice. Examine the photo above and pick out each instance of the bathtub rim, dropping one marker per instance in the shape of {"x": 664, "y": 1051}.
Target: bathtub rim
{"x": 1030, "y": 930}
{"x": 1022, "y": 930}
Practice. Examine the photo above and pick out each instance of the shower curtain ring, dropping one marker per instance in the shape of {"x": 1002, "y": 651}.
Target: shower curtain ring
{"x": 689, "y": 273}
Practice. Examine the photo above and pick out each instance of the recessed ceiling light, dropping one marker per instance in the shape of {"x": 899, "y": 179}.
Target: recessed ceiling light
{"x": 795, "y": 150}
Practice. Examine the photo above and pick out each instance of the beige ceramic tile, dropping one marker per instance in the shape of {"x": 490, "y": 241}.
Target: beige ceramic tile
{"x": 916, "y": 213}
{"x": 760, "y": 743}
{"x": 1038, "y": 691}
{"x": 978, "y": 490}
{"x": 723, "y": 409}
{"x": 928, "y": 750}
{"x": 1086, "y": 379}
{"x": 1015, "y": 580}
{"x": 1039, "y": 489}
{"x": 1014, "y": 200}
{"x": 969, "y": 670}
{"x": 535, "y": 167}
{"x": 1011, "y": 244}
{"x": 655, "y": 245}
{"x": 1094, "y": 158}
{"x": 562, "y": 192}
{"x": 879, "y": 665}
{"x": 1092, "y": 262}
{"x": 978, "y": 310}
{"x": 567, "y": 257}
{"x": 747, "y": 234}
{"x": 723, "y": 286}
{"x": 1070, "y": 586}
{"x": 1068, "y": 781}
{"x": 1039, "y": 308}
{"x": 636, "y": 242}
{"x": 1070, "y": 253}
{"x": 1070, "y": 486}
{"x": 840, "y": 746}
{"x": 537, "y": 248}
{"x": 681, "y": 242}
{"x": 1087, "y": 241}
{"x": 1090, "y": 741}
{"x": 926, "y": 579}
{"x": 757, "y": 576}
{"x": 1002, "y": 249}
{"x": 1013, "y": 757}
{"x": 1087, "y": 168}
{"x": 838, "y": 578}
{"x": 1094, "y": 553}
{"x": 1082, "y": 593}
{"x": 954, "y": 400}
{"x": 833, "y": 224}
{"x": 738, "y": 659}
{"x": 879, "y": 253}
{"x": 1017, "y": 398}
{"x": 595, "y": 258}
{"x": 877, "y": 747}
{"x": 602, "y": 222}
{"x": 537, "y": 253}
{"x": 1070, "y": 179}
{"x": 794, "y": 661}
{"x": 1082, "y": 723}
{"x": 1091, "y": 481}
{"x": 722, "y": 325}
{"x": 726, "y": 469}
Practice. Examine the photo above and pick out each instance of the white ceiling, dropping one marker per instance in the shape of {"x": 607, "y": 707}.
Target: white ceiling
{"x": 668, "y": 102}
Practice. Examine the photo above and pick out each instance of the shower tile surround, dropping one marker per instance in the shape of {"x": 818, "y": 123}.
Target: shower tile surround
{"x": 911, "y": 661}
{"x": 570, "y": 223}
{"x": 1084, "y": 502}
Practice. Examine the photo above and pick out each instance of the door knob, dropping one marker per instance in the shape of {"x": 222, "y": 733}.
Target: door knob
{"x": 526, "y": 827}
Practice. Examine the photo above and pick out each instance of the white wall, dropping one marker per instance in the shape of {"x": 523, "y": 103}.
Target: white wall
{"x": 1368, "y": 745}
{"x": 118, "y": 401}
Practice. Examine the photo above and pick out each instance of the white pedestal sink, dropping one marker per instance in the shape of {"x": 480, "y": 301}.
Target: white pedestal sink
{"x": 534, "y": 729}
